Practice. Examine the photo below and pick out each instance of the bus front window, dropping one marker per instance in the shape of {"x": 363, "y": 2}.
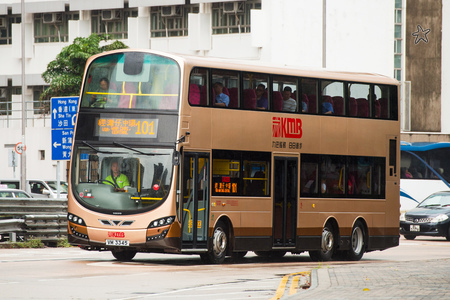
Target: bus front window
{"x": 132, "y": 80}
{"x": 121, "y": 180}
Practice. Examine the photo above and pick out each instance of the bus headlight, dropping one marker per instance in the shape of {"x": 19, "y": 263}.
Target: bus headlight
{"x": 402, "y": 217}
{"x": 161, "y": 222}
{"x": 75, "y": 219}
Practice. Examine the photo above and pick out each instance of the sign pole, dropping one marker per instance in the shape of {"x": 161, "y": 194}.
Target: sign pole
{"x": 23, "y": 159}
{"x": 58, "y": 182}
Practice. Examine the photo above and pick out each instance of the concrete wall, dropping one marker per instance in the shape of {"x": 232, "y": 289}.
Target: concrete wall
{"x": 424, "y": 63}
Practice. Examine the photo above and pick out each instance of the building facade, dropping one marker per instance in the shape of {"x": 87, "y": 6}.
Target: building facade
{"x": 346, "y": 35}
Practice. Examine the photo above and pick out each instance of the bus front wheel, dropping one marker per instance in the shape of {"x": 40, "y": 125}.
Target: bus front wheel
{"x": 328, "y": 246}
{"x": 123, "y": 255}
{"x": 219, "y": 245}
{"x": 357, "y": 247}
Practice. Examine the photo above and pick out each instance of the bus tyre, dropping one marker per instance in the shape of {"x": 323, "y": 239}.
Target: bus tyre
{"x": 123, "y": 255}
{"x": 357, "y": 242}
{"x": 328, "y": 245}
{"x": 219, "y": 245}
{"x": 410, "y": 237}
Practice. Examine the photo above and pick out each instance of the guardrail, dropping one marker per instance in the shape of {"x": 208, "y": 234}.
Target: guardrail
{"x": 35, "y": 218}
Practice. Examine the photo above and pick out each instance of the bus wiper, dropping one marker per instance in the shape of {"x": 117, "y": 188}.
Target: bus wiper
{"x": 93, "y": 148}
{"x": 138, "y": 151}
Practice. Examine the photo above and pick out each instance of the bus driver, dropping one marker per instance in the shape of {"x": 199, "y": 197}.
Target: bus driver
{"x": 116, "y": 179}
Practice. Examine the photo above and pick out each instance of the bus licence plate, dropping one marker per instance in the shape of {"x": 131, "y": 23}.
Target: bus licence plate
{"x": 117, "y": 243}
{"x": 414, "y": 227}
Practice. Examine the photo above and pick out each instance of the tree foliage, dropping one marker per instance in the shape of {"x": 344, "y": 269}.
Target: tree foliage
{"x": 65, "y": 73}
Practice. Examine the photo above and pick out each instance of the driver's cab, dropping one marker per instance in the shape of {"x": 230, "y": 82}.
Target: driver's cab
{"x": 130, "y": 167}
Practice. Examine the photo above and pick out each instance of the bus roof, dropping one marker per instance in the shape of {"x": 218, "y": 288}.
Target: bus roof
{"x": 423, "y": 146}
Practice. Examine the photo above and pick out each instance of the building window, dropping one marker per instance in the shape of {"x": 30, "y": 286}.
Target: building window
{"x": 112, "y": 21}
{"x": 5, "y": 28}
{"x": 41, "y": 154}
{"x": 53, "y": 27}
{"x": 40, "y": 106}
{"x": 398, "y": 41}
{"x": 170, "y": 20}
{"x": 232, "y": 17}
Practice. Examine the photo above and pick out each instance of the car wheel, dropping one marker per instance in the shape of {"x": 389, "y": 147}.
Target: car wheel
{"x": 410, "y": 237}
{"x": 357, "y": 247}
{"x": 328, "y": 246}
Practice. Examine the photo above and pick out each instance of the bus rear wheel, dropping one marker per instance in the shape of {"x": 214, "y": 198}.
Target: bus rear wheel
{"x": 357, "y": 241}
{"x": 328, "y": 246}
{"x": 123, "y": 255}
{"x": 219, "y": 245}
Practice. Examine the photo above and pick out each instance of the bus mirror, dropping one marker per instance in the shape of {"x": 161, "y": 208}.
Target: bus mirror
{"x": 176, "y": 158}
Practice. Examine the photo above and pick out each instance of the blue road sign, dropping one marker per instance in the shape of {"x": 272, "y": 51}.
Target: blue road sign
{"x": 64, "y": 111}
{"x": 62, "y": 144}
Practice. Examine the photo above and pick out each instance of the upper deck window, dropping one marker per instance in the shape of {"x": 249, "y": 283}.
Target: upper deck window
{"x": 132, "y": 80}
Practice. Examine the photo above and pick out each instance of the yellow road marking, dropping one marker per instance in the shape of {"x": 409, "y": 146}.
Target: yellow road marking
{"x": 294, "y": 284}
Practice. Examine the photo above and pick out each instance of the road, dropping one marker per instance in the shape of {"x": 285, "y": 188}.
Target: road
{"x": 71, "y": 273}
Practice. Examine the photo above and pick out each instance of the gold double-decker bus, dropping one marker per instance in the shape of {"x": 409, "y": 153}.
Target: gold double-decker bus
{"x": 180, "y": 154}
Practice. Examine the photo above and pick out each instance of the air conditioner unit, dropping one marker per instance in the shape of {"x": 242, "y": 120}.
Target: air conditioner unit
{"x": 3, "y": 22}
{"x": 232, "y": 7}
{"x": 111, "y": 14}
{"x": 171, "y": 11}
{"x": 50, "y": 18}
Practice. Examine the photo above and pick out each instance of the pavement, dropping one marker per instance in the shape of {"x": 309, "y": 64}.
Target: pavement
{"x": 423, "y": 279}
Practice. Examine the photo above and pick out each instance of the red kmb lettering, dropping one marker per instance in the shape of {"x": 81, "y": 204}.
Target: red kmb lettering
{"x": 287, "y": 128}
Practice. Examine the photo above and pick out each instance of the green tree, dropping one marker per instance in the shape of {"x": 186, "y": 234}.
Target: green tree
{"x": 65, "y": 73}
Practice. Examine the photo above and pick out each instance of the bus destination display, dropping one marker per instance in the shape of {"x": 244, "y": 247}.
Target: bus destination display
{"x": 126, "y": 127}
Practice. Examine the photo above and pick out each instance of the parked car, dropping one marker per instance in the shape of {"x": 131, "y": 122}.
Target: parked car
{"x": 12, "y": 193}
{"x": 39, "y": 188}
{"x": 430, "y": 218}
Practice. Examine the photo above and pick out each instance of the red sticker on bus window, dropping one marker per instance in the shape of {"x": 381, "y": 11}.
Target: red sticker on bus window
{"x": 226, "y": 179}
{"x": 156, "y": 187}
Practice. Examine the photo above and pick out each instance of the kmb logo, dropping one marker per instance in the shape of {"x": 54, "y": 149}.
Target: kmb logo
{"x": 286, "y": 128}
{"x": 116, "y": 234}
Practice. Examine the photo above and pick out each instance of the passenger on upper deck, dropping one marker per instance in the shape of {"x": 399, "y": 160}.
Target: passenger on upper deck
{"x": 221, "y": 99}
{"x": 99, "y": 100}
{"x": 327, "y": 108}
{"x": 116, "y": 179}
{"x": 261, "y": 101}
{"x": 289, "y": 104}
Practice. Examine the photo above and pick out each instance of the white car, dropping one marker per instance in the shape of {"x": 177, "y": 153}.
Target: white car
{"x": 13, "y": 193}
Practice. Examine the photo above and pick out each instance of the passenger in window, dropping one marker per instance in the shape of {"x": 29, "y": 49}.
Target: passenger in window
{"x": 327, "y": 108}
{"x": 289, "y": 104}
{"x": 118, "y": 180}
{"x": 304, "y": 106}
{"x": 221, "y": 99}
{"x": 99, "y": 100}
{"x": 261, "y": 101}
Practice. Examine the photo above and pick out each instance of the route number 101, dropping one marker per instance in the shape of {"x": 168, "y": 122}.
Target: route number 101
{"x": 145, "y": 128}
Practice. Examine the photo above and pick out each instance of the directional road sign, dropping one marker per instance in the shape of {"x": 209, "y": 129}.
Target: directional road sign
{"x": 62, "y": 144}
{"x": 64, "y": 111}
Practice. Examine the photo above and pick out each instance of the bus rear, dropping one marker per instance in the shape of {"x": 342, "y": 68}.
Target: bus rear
{"x": 123, "y": 157}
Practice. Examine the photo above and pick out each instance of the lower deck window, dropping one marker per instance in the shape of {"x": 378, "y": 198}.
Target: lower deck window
{"x": 240, "y": 173}
{"x": 342, "y": 176}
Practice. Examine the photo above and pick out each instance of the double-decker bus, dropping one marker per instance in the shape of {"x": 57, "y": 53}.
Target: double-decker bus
{"x": 424, "y": 170}
{"x": 290, "y": 161}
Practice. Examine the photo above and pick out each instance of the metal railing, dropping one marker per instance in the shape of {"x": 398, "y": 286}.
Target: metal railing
{"x": 34, "y": 110}
{"x": 35, "y": 218}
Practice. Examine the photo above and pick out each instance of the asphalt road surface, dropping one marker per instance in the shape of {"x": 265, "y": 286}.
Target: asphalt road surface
{"x": 72, "y": 273}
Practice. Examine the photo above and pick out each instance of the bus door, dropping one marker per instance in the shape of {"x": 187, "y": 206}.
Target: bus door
{"x": 195, "y": 208}
{"x": 285, "y": 201}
